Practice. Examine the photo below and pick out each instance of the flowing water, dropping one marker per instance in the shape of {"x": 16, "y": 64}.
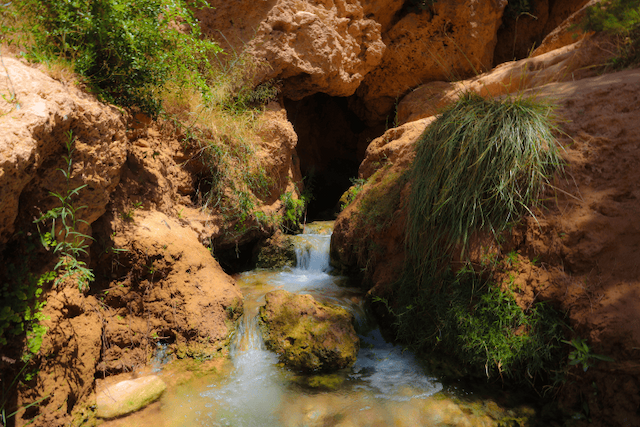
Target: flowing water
{"x": 385, "y": 387}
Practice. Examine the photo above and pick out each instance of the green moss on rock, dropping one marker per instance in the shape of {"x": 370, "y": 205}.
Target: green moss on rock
{"x": 307, "y": 335}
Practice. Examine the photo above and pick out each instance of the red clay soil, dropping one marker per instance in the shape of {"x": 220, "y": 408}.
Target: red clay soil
{"x": 580, "y": 253}
{"x": 588, "y": 240}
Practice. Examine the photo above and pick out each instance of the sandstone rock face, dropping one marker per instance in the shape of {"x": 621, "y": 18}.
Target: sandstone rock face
{"x": 277, "y": 150}
{"x": 519, "y": 35}
{"x": 128, "y": 396}
{"x": 394, "y": 147}
{"x": 167, "y": 288}
{"x": 453, "y": 40}
{"x": 384, "y": 12}
{"x": 567, "y": 63}
{"x": 307, "y": 335}
{"x": 33, "y": 132}
{"x": 176, "y": 291}
{"x": 71, "y": 348}
{"x": 580, "y": 240}
{"x": 321, "y": 46}
{"x": 568, "y": 30}
{"x": 382, "y": 48}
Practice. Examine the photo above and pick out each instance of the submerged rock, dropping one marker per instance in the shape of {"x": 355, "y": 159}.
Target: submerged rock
{"x": 308, "y": 335}
{"x": 129, "y": 396}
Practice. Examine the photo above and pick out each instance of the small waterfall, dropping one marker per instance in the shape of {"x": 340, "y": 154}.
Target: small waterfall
{"x": 312, "y": 252}
{"x": 259, "y": 392}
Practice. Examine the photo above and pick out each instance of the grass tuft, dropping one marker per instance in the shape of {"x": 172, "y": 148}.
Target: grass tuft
{"x": 478, "y": 168}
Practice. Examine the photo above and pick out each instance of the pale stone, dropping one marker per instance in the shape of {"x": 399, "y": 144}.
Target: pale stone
{"x": 129, "y": 396}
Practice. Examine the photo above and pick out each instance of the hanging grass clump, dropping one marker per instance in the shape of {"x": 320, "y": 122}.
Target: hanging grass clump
{"x": 479, "y": 167}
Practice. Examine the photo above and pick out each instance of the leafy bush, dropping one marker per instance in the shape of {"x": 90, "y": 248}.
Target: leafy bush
{"x": 482, "y": 327}
{"x": 620, "y": 18}
{"x": 127, "y": 50}
{"x": 352, "y": 192}
{"x": 294, "y": 209}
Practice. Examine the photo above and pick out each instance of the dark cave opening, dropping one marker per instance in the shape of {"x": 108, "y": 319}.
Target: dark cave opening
{"x": 332, "y": 141}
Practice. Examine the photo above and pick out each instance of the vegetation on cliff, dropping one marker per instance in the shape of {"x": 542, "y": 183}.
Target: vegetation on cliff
{"x": 479, "y": 167}
{"x": 145, "y": 57}
{"x": 152, "y": 57}
{"x": 621, "y": 19}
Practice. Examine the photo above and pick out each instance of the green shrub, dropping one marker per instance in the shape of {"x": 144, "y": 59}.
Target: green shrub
{"x": 620, "y": 18}
{"x": 482, "y": 327}
{"x": 352, "y": 192}
{"x": 294, "y": 209}
{"x": 126, "y": 50}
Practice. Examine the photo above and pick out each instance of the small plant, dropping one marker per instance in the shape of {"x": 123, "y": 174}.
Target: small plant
{"x": 21, "y": 308}
{"x": 294, "y": 209}
{"x": 512, "y": 259}
{"x": 4, "y": 417}
{"x": 582, "y": 355}
{"x": 127, "y": 215}
{"x": 67, "y": 242}
{"x": 621, "y": 19}
{"x": 350, "y": 195}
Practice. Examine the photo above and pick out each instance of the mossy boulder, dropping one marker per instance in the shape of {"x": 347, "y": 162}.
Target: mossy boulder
{"x": 307, "y": 335}
{"x": 276, "y": 252}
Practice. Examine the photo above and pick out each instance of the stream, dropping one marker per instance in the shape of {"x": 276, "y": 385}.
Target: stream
{"x": 386, "y": 387}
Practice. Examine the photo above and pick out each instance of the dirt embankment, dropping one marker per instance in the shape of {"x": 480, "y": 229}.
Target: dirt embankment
{"x": 156, "y": 280}
{"x": 579, "y": 253}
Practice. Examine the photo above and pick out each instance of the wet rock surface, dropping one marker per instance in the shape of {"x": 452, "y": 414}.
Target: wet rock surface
{"x": 308, "y": 335}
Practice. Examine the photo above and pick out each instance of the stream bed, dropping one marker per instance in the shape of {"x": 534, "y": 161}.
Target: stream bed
{"x": 387, "y": 386}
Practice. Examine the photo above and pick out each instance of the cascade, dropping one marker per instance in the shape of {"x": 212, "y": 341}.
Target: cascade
{"x": 386, "y": 386}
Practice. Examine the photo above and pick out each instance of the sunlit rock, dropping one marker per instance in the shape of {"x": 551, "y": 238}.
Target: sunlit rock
{"x": 129, "y": 396}
{"x": 308, "y": 335}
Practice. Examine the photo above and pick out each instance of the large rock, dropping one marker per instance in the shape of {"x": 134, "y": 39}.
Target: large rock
{"x": 564, "y": 64}
{"x": 317, "y": 46}
{"x": 175, "y": 291}
{"x": 128, "y": 396}
{"x": 453, "y": 40}
{"x": 307, "y": 335}
{"x": 33, "y": 132}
